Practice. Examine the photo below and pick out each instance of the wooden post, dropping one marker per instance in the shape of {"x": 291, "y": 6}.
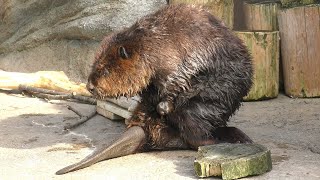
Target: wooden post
{"x": 264, "y": 48}
{"x": 300, "y": 45}
{"x": 222, "y": 9}
{"x": 293, "y": 3}
{"x": 261, "y": 15}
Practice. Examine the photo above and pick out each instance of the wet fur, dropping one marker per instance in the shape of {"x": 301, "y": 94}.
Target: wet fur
{"x": 183, "y": 55}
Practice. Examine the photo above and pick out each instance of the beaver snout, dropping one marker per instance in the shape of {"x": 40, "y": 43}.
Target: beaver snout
{"x": 91, "y": 88}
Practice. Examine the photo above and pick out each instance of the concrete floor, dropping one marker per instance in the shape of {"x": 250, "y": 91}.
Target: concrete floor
{"x": 33, "y": 144}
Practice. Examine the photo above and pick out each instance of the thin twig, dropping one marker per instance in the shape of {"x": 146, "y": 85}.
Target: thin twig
{"x": 75, "y": 111}
{"x": 50, "y": 96}
{"x": 39, "y": 90}
{"x": 88, "y": 100}
{"x": 82, "y": 120}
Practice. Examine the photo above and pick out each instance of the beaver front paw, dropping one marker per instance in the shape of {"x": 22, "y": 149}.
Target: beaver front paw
{"x": 165, "y": 107}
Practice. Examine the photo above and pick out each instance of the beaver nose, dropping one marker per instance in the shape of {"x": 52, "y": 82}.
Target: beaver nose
{"x": 90, "y": 87}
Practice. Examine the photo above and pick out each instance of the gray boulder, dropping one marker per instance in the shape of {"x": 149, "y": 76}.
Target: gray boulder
{"x": 62, "y": 35}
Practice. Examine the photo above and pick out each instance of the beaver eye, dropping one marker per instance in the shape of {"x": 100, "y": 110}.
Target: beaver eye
{"x": 123, "y": 53}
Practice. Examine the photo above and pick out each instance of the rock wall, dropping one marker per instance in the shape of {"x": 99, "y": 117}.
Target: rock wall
{"x": 62, "y": 35}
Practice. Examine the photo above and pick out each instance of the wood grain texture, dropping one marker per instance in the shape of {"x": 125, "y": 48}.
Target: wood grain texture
{"x": 300, "y": 44}
{"x": 221, "y": 9}
{"x": 114, "y": 108}
{"x": 232, "y": 161}
{"x": 261, "y": 16}
{"x": 264, "y": 48}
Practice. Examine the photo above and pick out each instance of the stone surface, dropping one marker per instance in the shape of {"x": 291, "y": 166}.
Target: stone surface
{"x": 62, "y": 35}
{"x": 33, "y": 144}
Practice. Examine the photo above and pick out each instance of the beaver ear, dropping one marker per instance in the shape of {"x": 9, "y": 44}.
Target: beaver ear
{"x": 123, "y": 53}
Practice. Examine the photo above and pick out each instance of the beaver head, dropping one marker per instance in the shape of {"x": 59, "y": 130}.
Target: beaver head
{"x": 119, "y": 69}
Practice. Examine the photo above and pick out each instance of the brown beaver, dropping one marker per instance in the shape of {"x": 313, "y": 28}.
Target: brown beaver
{"x": 191, "y": 73}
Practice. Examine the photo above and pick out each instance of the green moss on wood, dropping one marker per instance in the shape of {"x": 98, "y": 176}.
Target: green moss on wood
{"x": 264, "y": 47}
{"x": 232, "y": 161}
{"x": 295, "y": 3}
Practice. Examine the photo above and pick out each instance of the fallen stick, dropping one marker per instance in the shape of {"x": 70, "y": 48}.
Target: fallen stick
{"x": 52, "y": 94}
{"x": 82, "y": 120}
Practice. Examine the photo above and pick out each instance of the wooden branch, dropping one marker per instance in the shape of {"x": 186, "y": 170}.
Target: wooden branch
{"x": 51, "y": 94}
{"x": 75, "y": 111}
{"x": 39, "y": 90}
{"x": 114, "y": 108}
{"x": 82, "y": 120}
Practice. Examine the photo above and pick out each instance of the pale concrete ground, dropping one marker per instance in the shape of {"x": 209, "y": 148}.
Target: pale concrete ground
{"x": 33, "y": 144}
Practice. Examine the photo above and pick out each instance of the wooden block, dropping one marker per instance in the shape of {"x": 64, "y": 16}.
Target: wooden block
{"x": 300, "y": 43}
{"x": 108, "y": 114}
{"x": 111, "y": 107}
{"x": 232, "y": 161}
{"x": 221, "y": 9}
{"x": 127, "y": 103}
{"x": 264, "y": 48}
{"x": 261, "y": 15}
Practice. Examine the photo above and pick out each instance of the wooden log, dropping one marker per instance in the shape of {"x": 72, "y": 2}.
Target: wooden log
{"x": 232, "y": 161}
{"x": 117, "y": 108}
{"x": 114, "y": 108}
{"x": 221, "y": 9}
{"x": 300, "y": 44}
{"x": 127, "y": 103}
{"x": 108, "y": 114}
{"x": 53, "y": 80}
{"x": 294, "y": 3}
{"x": 261, "y": 15}
{"x": 264, "y": 48}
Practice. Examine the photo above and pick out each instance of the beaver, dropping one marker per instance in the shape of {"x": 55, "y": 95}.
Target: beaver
{"x": 191, "y": 73}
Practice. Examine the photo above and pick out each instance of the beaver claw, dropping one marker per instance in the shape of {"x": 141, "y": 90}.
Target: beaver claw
{"x": 165, "y": 107}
